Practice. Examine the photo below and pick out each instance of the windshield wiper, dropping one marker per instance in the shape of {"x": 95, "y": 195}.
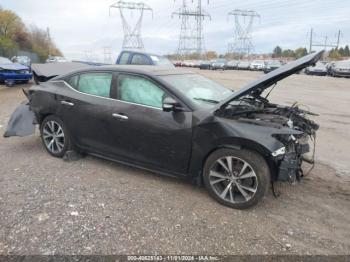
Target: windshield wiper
{"x": 206, "y": 100}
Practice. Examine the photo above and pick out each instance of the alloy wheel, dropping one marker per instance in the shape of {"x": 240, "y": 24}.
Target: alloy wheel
{"x": 233, "y": 179}
{"x": 53, "y": 137}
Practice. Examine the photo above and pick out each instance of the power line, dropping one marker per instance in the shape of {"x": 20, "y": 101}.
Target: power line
{"x": 132, "y": 35}
{"x": 326, "y": 42}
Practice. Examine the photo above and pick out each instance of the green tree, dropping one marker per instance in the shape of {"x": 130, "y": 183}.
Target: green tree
{"x": 334, "y": 54}
{"x": 10, "y": 24}
{"x": 341, "y": 51}
{"x": 300, "y": 52}
{"x": 288, "y": 53}
{"x": 277, "y": 52}
{"x": 14, "y": 35}
{"x": 211, "y": 55}
{"x": 8, "y": 47}
{"x": 346, "y": 51}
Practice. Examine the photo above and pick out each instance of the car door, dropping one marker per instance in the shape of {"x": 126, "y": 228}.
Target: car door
{"x": 88, "y": 109}
{"x": 145, "y": 133}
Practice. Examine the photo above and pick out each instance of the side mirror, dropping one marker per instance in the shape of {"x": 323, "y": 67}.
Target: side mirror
{"x": 170, "y": 104}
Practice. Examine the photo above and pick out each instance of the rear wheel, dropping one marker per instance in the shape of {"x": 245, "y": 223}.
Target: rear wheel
{"x": 236, "y": 178}
{"x": 55, "y": 136}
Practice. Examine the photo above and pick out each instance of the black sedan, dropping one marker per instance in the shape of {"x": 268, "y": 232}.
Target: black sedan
{"x": 174, "y": 122}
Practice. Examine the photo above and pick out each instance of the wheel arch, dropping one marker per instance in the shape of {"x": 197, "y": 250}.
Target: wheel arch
{"x": 238, "y": 144}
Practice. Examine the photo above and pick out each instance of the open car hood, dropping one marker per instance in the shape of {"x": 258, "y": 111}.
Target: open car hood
{"x": 271, "y": 78}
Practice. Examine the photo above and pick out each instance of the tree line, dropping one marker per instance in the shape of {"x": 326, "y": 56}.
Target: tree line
{"x": 337, "y": 53}
{"x": 15, "y": 35}
{"x": 289, "y": 53}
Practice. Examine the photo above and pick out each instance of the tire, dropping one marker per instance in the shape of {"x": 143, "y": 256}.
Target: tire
{"x": 52, "y": 128}
{"x": 217, "y": 179}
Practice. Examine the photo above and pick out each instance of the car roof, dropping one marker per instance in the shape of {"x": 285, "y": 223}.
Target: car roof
{"x": 140, "y": 52}
{"x": 144, "y": 69}
{"x": 137, "y": 69}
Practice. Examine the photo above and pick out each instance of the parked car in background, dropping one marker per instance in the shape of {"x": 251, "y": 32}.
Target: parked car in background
{"x": 272, "y": 65}
{"x": 11, "y": 73}
{"x": 189, "y": 63}
{"x": 220, "y": 63}
{"x": 130, "y": 57}
{"x": 340, "y": 68}
{"x": 243, "y": 65}
{"x": 257, "y": 65}
{"x": 319, "y": 69}
{"x": 177, "y": 63}
{"x": 232, "y": 64}
{"x": 205, "y": 64}
{"x": 23, "y": 60}
{"x": 56, "y": 59}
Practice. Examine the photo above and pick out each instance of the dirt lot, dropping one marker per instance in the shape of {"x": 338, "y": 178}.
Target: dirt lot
{"x": 92, "y": 206}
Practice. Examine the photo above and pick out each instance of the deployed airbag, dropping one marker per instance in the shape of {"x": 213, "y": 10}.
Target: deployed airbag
{"x": 22, "y": 122}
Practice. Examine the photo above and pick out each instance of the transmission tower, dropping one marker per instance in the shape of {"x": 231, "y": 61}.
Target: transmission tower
{"x": 191, "y": 34}
{"x": 107, "y": 55}
{"x": 132, "y": 35}
{"x": 242, "y": 43}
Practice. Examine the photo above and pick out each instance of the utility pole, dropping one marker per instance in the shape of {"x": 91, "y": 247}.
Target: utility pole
{"x": 107, "y": 55}
{"x": 310, "y": 48}
{"x": 191, "y": 38}
{"x": 48, "y": 40}
{"x": 242, "y": 43}
{"x": 339, "y": 32}
{"x": 132, "y": 35}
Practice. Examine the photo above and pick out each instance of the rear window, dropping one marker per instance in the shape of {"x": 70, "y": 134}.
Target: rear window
{"x": 98, "y": 84}
{"x": 139, "y": 59}
{"x": 161, "y": 60}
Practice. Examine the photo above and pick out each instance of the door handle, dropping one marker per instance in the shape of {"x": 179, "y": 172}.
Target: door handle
{"x": 121, "y": 117}
{"x": 67, "y": 103}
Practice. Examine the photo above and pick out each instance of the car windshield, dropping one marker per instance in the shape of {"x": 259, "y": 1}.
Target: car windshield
{"x": 199, "y": 89}
{"x": 161, "y": 60}
{"x": 4, "y": 60}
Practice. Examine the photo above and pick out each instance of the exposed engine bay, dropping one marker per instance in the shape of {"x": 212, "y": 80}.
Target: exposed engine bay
{"x": 257, "y": 110}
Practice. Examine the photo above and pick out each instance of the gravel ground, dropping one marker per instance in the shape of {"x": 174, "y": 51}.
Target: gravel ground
{"x": 93, "y": 206}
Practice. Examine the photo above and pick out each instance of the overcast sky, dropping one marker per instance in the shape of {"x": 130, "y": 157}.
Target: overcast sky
{"x": 84, "y": 26}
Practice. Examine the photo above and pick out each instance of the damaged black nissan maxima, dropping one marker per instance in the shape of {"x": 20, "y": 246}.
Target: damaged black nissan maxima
{"x": 177, "y": 123}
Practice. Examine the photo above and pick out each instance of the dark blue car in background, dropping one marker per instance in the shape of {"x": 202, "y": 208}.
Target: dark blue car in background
{"x": 128, "y": 57}
{"x": 10, "y": 72}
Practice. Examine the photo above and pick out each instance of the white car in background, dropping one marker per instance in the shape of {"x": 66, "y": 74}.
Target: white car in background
{"x": 257, "y": 65}
{"x": 56, "y": 59}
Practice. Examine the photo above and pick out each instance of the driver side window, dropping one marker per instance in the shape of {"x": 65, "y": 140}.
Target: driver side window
{"x": 139, "y": 90}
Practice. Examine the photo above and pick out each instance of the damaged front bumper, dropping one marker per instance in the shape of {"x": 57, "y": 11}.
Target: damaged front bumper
{"x": 290, "y": 158}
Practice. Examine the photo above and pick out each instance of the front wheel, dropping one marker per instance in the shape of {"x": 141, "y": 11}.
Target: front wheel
{"x": 55, "y": 136}
{"x": 236, "y": 178}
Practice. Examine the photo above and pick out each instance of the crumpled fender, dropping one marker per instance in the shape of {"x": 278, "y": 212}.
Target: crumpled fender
{"x": 22, "y": 121}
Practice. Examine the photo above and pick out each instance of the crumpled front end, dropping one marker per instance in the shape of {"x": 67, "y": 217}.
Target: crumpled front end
{"x": 289, "y": 158}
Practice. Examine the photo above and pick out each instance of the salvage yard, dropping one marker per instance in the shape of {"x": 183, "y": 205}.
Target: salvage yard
{"x": 93, "y": 206}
